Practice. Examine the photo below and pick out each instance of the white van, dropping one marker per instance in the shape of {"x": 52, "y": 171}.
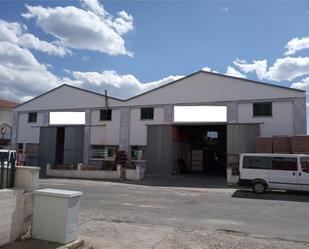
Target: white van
{"x": 7, "y": 156}
{"x": 274, "y": 171}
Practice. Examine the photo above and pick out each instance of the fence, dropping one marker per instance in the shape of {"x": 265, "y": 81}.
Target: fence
{"x": 7, "y": 173}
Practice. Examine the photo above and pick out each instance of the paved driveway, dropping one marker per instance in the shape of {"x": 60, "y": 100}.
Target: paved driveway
{"x": 146, "y": 212}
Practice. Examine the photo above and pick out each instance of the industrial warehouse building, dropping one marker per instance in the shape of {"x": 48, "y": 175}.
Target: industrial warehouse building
{"x": 197, "y": 124}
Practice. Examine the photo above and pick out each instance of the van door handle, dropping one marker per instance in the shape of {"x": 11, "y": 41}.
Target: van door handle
{"x": 293, "y": 173}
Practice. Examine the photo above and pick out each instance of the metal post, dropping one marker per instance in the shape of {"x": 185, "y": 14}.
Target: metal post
{"x": 12, "y": 180}
{"x": 2, "y": 174}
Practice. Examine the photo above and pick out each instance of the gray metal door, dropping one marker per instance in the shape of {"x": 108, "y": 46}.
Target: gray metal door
{"x": 47, "y": 149}
{"x": 240, "y": 139}
{"x": 73, "y": 145}
{"x": 159, "y": 150}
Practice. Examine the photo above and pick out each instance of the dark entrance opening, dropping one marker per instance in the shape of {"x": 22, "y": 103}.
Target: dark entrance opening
{"x": 200, "y": 149}
{"x": 60, "y": 145}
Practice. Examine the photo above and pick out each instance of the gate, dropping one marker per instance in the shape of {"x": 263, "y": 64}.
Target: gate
{"x": 159, "y": 150}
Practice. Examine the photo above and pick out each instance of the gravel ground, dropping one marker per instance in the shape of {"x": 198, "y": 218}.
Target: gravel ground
{"x": 118, "y": 235}
{"x": 125, "y": 215}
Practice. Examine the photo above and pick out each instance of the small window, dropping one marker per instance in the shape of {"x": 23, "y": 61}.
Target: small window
{"x": 103, "y": 151}
{"x": 32, "y": 117}
{"x": 105, "y": 115}
{"x": 146, "y": 113}
{"x": 4, "y": 156}
{"x": 20, "y": 147}
{"x": 262, "y": 109}
{"x": 256, "y": 162}
{"x": 212, "y": 134}
{"x": 138, "y": 152}
{"x": 284, "y": 163}
{"x": 305, "y": 164}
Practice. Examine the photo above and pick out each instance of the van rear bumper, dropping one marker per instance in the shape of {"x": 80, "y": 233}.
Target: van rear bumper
{"x": 245, "y": 182}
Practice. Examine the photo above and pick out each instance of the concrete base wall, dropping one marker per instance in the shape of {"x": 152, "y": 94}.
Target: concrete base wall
{"x": 130, "y": 174}
{"x": 27, "y": 178}
{"x": 11, "y": 215}
{"x": 91, "y": 174}
{"x": 16, "y": 204}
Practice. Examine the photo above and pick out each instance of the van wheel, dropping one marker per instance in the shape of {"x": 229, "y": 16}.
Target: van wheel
{"x": 259, "y": 187}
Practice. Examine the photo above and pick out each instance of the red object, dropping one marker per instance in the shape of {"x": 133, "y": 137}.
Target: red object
{"x": 300, "y": 144}
{"x": 7, "y": 104}
{"x": 264, "y": 145}
{"x": 282, "y": 144}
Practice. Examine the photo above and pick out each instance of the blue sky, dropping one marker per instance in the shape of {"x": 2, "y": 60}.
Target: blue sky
{"x": 132, "y": 46}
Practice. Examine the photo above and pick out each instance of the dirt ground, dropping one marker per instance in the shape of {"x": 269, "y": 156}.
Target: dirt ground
{"x": 184, "y": 213}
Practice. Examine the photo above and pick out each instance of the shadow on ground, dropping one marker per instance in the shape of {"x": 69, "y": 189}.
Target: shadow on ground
{"x": 183, "y": 181}
{"x": 273, "y": 195}
{"x": 32, "y": 244}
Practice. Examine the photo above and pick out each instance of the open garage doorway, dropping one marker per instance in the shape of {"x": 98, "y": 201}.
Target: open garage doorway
{"x": 200, "y": 149}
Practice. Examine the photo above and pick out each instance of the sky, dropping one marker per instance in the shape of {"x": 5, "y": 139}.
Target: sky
{"x": 129, "y": 47}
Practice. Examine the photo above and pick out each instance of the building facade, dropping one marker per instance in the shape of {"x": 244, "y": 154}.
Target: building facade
{"x": 6, "y": 122}
{"x": 202, "y": 119}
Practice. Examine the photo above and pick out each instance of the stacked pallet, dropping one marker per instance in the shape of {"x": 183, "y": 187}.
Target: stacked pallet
{"x": 282, "y": 145}
{"x": 264, "y": 145}
{"x": 300, "y": 144}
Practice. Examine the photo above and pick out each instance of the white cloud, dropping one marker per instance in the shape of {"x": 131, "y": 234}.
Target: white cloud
{"x": 122, "y": 24}
{"x": 233, "y": 72}
{"x": 95, "y": 6}
{"x": 302, "y": 84}
{"x": 208, "y": 69}
{"x": 76, "y": 28}
{"x": 257, "y": 66}
{"x": 17, "y": 33}
{"x": 296, "y": 44}
{"x": 287, "y": 68}
{"x": 121, "y": 86}
{"x": 21, "y": 75}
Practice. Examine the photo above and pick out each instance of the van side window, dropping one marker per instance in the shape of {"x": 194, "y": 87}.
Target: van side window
{"x": 284, "y": 163}
{"x": 305, "y": 164}
{"x": 256, "y": 162}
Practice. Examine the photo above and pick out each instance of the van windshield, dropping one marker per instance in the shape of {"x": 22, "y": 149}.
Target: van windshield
{"x": 4, "y": 156}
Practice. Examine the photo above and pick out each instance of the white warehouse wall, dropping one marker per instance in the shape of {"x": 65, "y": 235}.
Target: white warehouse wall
{"x": 6, "y": 116}
{"x": 138, "y": 127}
{"x": 29, "y": 132}
{"x": 104, "y": 132}
{"x": 207, "y": 87}
{"x": 281, "y": 123}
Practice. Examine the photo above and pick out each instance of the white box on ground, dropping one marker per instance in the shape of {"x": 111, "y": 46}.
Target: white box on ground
{"x": 55, "y": 215}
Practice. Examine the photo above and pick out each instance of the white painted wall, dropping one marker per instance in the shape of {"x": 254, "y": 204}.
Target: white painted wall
{"x": 6, "y": 116}
{"x": 199, "y": 88}
{"x": 29, "y": 132}
{"x": 105, "y": 132}
{"x": 205, "y": 87}
{"x": 66, "y": 97}
{"x": 11, "y": 214}
{"x": 281, "y": 123}
{"x": 138, "y": 127}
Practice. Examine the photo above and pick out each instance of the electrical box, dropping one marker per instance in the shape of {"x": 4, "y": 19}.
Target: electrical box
{"x": 55, "y": 215}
